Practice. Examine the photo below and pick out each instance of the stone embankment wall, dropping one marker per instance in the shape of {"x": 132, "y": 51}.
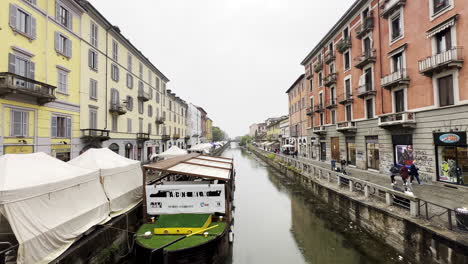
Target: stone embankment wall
{"x": 387, "y": 215}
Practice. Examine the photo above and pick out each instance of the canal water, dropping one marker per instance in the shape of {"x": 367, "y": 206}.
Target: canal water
{"x": 276, "y": 221}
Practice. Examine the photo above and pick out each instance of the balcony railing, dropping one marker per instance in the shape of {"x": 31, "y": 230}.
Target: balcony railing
{"x": 345, "y": 98}
{"x": 330, "y": 79}
{"x": 143, "y": 136}
{"x": 308, "y": 73}
{"x": 319, "y": 130}
{"x": 143, "y": 96}
{"x": 13, "y": 83}
{"x": 175, "y": 136}
{"x": 319, "y": 108}
{"x": 343, "y": 45}
{"x": 347, "y": 126}
{"x": 165, "y": 137}
{"x": 391, "y": 6}
{"x": 318, "y": 67}
{"x": 395, "y": 79}
{"x": 91, "y": 134}
{"x": 160, "y": 120}
{"x": 117, "y": 108}
{"x": 366, "y": 89}
{"x": 366, "y": 27}
{"x": 452, "y": 58}
{"x": 329, "y": 57}
{"x": 331, "y": 103}
{"x": 366, "y": 58}
{"x": 310, "y": 111}
{"x": 404, "y": 119}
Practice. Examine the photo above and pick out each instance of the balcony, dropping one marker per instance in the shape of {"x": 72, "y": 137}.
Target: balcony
{"x": 452, "y": 58}
{"x": 117, "y": 109}
{"x": 395, "y": 79}
{"x": 186, "y": 138}
{"x": 402, "y": 119}
{"x": 143, "y": 96}
{"x": 320, "y": 130}
{"x": 92, "y": 134}
{"x": 365, "y": 90}
{"x": 310, "y": 111}
{"x": 160, "y": 120}
{"x": 345, "y": 98}
{"x": 143, "y": 136}
{"x": 331, "y": 104}
{"x": 347, "y": 126}
{"x": 318, "y": 67}
{"x": 330, "y": 79}
{"x": 165, "y": 137}
{"x": 391, "y": 6}
{"x": 366, "y": 26}
{"x": 319, "y": 108}
{"x": 11, "y": 83}
{"x": 343, "y": 45}
{"x": 175, "y": 136}
{"x": 308, "y": 73}
{"x": 365, "y": 59}
{"x": 330, "y": 57}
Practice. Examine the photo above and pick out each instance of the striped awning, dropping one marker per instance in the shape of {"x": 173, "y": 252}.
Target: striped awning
{"x": 441, "y": 27}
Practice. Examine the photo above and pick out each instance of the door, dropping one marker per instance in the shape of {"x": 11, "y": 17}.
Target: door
{"x": 335, "y": 148}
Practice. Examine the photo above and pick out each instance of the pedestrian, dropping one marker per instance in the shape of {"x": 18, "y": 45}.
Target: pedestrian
{"x": 393, "y": 172}
{"x": 404, "y": 173}
{"x": 413, "y": 172}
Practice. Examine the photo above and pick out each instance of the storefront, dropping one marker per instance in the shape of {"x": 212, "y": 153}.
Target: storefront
{"x": 128, "y": 150}
{"x": 403, "y": 152}
{"x": 114, "y": 147}
{"x": 61, "y": 152}
{"x": 372, "y": 152}
{"x": 351, "y": 151}
{"x": 18, "y": 149}
{"x": 451, "y": 157}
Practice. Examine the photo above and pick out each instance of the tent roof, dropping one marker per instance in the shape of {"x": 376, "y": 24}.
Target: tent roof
{"x": 101, "y": 158}
{"x": 172, "y": 152}
{"x": 24, "y": 176}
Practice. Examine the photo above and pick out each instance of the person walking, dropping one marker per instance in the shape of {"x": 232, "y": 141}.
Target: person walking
{"x": 413, "y": 172}
{"x": 404, "y": 173}
{"x": 393, "y": 172}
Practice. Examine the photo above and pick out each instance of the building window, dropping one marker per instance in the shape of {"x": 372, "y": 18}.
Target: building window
{"x": 349, "y": 113}
{"x": 140, "y": 125}
{"x": 94, "y": 35}
{"x": 150, "y": 110}
{"x": 19, "y": 123}
{"x": 368, "y": 79}
{"x": 114, "y": 147}
{"x": 115, "y": 73}
{"x": 397, "y": 61}
{"x": 115, "y": 50}
{"x": 311, "y": 82}
{"x": 332, "y": 96}
{"x": 115, "y": 123}
{"x": 93, "y": 59}
{"x": 320, "y": 79}
{"x": 22, "y": 22}
{"x": 322, "y": 121}
{"x": 445, "y": 88}
{"x": 129, "y": 101}
{"x": 351, "y": 151}
{"x": 323, "y": 151}
{"x": 347, "y": 61}
{"x": 93, "y": 118}
{"x": 140, "y": 70}
{"x": 395, "y": 27}
{"x": 149, "y": 128}
{"x": 372, "y": 150}
{"x": 63, "y": 16}
{"x": 140, "y": 106}
{"x": 61, "y": 127}
{"x": 399, "y": 101}
{"x": 129, "y": 81}
{"x": 22, "y": 67}
{"x": 93, "y": 89}
{"x": 443, "y": 40}
{"x": 439, "y": 5}
{"x": 129, "y": 125}
{"x": 333, "y": 116}
{"x": 62, "y": 81}
{"x": 150, "y": 93}
{"x": 63, "y": 45}
{"x": 370, "y": 108}
{"x": 115, "y": 97}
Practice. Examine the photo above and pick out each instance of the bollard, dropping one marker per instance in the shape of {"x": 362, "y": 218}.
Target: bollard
{"x": 328, "y": 177}
{"x": 366, "y": 191}
{"x": 414, "y": 208}
{"x": 351, "y": 186}
{"x": 338, "y": 180}
{"x": 389, "y": 199}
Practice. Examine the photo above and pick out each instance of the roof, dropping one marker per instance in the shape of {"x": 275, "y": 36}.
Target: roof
{"x": 296, "y": 82}
{"x": 196, "y": 165}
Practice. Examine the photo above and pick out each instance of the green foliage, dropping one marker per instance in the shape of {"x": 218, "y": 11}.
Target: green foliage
{"x": 218, "y": 134}
{"x": 245, "y": 140}
{"x": 271, "y": 156}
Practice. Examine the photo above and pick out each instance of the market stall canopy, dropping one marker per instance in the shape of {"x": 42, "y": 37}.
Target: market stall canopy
{"x": 288, "y": 146}
{"x": 203, "y": 147}
{"x": 121, "y": 178}
{"x": 196, "y": 165}
{"x": 174, "y": 151}
{"x": 48, "y": 203}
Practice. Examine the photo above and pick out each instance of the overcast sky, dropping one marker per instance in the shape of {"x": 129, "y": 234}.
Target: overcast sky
{"x": 235, "y": 58}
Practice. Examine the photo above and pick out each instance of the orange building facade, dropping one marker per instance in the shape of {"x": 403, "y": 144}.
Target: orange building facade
{"x": 298, "y": 122}
{"x": 386, "y": 85}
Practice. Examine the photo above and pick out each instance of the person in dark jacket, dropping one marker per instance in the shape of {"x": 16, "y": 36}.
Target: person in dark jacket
{"x": 394, "y": 172}
{"x": 413, "y": 172}
{"x": 404, "y": 173}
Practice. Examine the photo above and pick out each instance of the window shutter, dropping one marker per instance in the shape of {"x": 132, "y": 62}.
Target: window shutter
{"x": 57, "y": 11}
{"x": 32, "y": 69}
{"x": 13, "y": 14}
{"x": 96, "y": 56}
{"x": 11, "y": 63}
{"x": 69, "y": 128}
{"x": 69, "y": 48}
{"x": 12, "y": 123}
{"x": 25, "y": 124}
{"x": 53, "y": 126}
{"x": 56, "y": 38}
{"x": 33, "y": 28}
{"x": 90, "y": 59}
{"x": 70, "y": 21}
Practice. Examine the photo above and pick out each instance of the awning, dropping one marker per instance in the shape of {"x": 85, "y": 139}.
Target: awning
{"x": 441, "y": 27}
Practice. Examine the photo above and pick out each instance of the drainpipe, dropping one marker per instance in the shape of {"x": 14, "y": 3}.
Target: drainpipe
{"x": 107, "y": 77}
{"x": 380, "y": 57}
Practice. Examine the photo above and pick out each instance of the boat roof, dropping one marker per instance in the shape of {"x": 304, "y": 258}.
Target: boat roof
{"x": 196, "y": 165}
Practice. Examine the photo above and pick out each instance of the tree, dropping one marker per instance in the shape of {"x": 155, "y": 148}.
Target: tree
{"x": 218, "y": 134}
{"x": 245, "y": 140}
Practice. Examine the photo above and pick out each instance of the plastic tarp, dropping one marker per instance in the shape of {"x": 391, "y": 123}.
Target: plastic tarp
{"x": 121, "y": 178}
{"x": 48, "y": 203}
{"x": 174, "y": 151}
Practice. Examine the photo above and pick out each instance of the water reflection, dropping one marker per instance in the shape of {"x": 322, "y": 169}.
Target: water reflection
{"x": 277, "y": 222}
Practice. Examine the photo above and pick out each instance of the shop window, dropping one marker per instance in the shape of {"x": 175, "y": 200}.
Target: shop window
{"x": 351, "y": 151}
{"x": 128, "y": 150}
{"x": 403, "y": 147}
{"x": 372, "y": 151}
{"x": 452, "y": 157}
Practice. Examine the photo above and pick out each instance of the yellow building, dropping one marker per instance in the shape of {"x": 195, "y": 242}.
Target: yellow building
{"x": 209, "y": 130}
{"x": 176, "y": 123}
{"x": 40, "y": 77}
{"x": 273, "y": 130}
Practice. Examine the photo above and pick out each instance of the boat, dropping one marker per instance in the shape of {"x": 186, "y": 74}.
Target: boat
{"x": 187, "y": 210}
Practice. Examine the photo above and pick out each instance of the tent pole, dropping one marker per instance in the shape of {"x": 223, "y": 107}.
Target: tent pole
{"x": 144, "y": 195}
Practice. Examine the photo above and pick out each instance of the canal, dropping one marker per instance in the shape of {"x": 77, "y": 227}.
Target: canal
{"x": 276, "y": 221}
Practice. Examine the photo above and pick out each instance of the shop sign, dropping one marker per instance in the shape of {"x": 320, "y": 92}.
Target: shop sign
{"x": 18, "y": 149}
{"x": 60, "y": 148}
{"x": 448, "y": 139}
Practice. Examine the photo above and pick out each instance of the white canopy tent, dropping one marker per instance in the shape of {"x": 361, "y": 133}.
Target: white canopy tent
{"x": 174, "y": 151}
{"x": 48, "y": 203}
{"x": 121, "y": 178}
{"x": 203, "y": 147}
